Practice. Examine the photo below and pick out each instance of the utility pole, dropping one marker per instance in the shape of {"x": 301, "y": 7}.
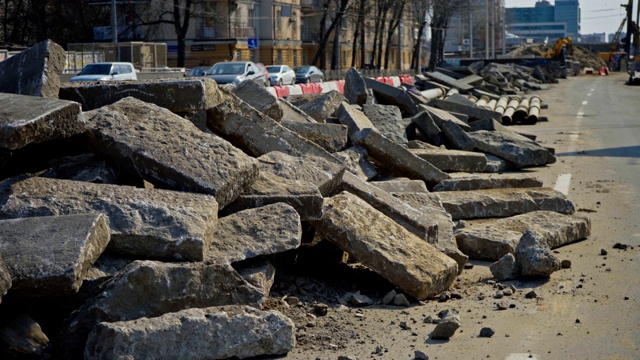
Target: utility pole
{"x": 470, "y": 31}
{"x": 627, "y": 43}
{"x": 486, "y": 30}
{"x": 493, "y": 29}
{"x": 114, "y": 28}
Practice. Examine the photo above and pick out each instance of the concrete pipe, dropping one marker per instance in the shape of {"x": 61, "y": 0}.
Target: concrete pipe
{"x": 534, "y": 110}
{"x": 482, "y": 102}
{"x": 522, "y": 112}
{"x": 501, "y": 105}
{"x": 451, "y": 92}
{"x": 491, "y": 105}
{"x": 507, "y": 117}
{"x": 433, "y": 93}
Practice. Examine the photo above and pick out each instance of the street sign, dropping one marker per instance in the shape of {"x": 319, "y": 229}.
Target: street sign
{"x": 253, "y": 43}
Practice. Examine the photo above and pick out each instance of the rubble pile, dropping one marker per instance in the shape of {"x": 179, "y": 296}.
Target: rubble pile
{"x": 155, "y": 216}
{"x": 581, "y": 54}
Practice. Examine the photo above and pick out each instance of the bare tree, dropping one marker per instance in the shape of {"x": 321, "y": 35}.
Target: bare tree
{"x": 442, "y": 10}
{"x": 398, "y": 9}
{"x": 382, "y": 9}
{"x": 341, "y": 6}
{"x": 420, "y": 11}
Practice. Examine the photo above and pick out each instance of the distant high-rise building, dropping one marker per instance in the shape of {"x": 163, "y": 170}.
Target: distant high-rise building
{"x": 568, "y": 12}
{"x": 546, "y": 21}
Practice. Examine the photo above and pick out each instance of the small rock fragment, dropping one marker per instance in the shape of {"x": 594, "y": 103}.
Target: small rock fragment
{"x": 401, "y": 300}
{"x": 486, "y": 332}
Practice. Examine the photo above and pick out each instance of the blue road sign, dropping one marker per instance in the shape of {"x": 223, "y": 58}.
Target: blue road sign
{"x": 253, "y": 43}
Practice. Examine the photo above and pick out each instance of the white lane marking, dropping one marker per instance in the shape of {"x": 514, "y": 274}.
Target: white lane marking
{"x": 592, "y": 89}
{"x": 573, "y": 137}
{"x": 589, "y": 94}
{"x": 521, "y": 357}
{"x": 562, "y": 183}
{"x": 585, "y": 102}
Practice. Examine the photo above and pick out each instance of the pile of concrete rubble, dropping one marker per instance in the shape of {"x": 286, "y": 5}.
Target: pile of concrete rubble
{"x": 141, "y": 217}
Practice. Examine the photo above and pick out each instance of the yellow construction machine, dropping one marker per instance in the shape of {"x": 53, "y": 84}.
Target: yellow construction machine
{"x": 563, "y": 46}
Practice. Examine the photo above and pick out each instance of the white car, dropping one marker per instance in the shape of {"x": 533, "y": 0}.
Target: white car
{"x": 106, "y": 71}
{"x": 236, "y": 72}
{"x": 281, "y": 75}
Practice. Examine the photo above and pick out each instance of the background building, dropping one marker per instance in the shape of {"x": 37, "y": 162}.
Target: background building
{"x": 477, "y": 30}
{"x": 546, "y": 22}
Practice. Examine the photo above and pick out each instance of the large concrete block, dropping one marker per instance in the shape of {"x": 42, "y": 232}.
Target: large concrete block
{"x": 236, "y": 332}
{"x": 355, "y": 120}
{"x": 35, "y": 71}
{"x": 145, "y": 223}
{"x": 168, "y": 150}
{"x": 389, "y": 122}
{"x": 453, "y": 160}
{"x": 390, "y": 95}
{"x": 465, "y": 181}
{"x": 30, "y": 119}
{"x": 384, "y": 246}
{"x": 355, "y": 89}
{"x": 51, "y": 255}
{"x": 331, "y": 137}
{"x": 518, "y": 151}
{"x": 322, "y": 106}
{"x": 259, "y": 98}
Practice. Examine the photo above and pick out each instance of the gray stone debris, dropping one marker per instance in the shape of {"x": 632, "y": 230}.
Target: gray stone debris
{"x": 388, "y": 120}
{"x": 519, "y": 152}
{"x": 208, "y": 333}
{"x": 455, "y": 136}
{"x": 30, "y": 119}
{"x": 447, "y": 326}
{"x": 401, "y": 185}
{"x": 331, "y": 137}
{"x": 85, "y": 167}
{"x": 491, "y": 239}
{"x": 261, "y": 231}
{"x": 35, "y": 71}
{"x": 473, "y": 112}
{"x": 51, "y": 255}
{"x": 150, "y": 289}
{"x": 440, "y": 117}
{"x": 258, "y": 272}
{"x": 401, "y": 300}
{"x": 145, "y": 223}
{"x": 322, "y": 106}
{"x": 453, "y": 160}
{"x": 505, "y": 268}
{"x": 324, "y": 174}
{"x": 534, "y": 257}
{"x": 159, "y": 145}
{"x": 292, "y": 113}
{"x": 390, "y": 95}
{"x": 21, "y": 336}
{"x": 490, "y": 203}
{"x": 356, "y": 161}
{"x": 407, "y": 261}
{"x": 353, "y": 118}
{"x": 398, "y": 158}
{"x": 465, "y": 182}
{"x": 428, "y": 128}
{"x": 355, "y": 89}
{"x": 258, "y": 97}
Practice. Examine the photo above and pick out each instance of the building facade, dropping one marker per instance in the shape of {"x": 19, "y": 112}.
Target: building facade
{"x": 546, "y": 22}
{"x": 477, "y": 30}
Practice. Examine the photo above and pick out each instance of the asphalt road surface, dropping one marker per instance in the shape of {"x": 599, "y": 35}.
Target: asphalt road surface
{"x": 589, "y": 311}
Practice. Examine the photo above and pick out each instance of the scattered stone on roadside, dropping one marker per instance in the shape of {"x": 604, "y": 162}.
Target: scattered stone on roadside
{"x": 51, "y": 255}
{"x": 258, "y": 97}
{"x": 447, "y": 327}
{"x": 505, "y": 268}
{"x": 401, "y": 185}
{"x": 431, "y": 319}
{"x": 533, "y": 256}
{"x": 620, "y": 246}
{"x": 390, "y": 95}
{"x": 486, "y": 332}
{"x": 565, "y": 264}
{"x": 401, "y": 300}
{"x": 444, "y": 296}
{"x": 357, "y": 299}
{"x": 477, "y": 181}
{"x": 404, "y": 326}
{"x": 355, "y": 89}
{"x": 498, "y": 295}
{"x": 356, "y": 161}
{"x": 502, "y": 305}
{"x": 320, "y": 309}
{"x": 603, "y": 252}
{"x": 507, "y": 292}
{"x": 321, "y": 106}
{"x": 35, "y": 71}
{"x": 531, "y": 295}
{"x": 519, "y": 152}
{"x": 224, "y": 332}
{"x": 419, "y": 355}
{"x": 389, "y": 122}
{"x": 389, "y": 297}
{"x": 21, "y": 336}
{"x": 453, "y": 160}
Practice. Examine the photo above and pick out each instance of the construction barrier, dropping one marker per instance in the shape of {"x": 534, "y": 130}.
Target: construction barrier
{"x": 272, "y": 91}
{"x": 395, "y": 81}
{"x": 294, "y": 89}
{"x": 281, "y": 91}
{"x": 340, "y": 85}
{"x": 327, "y": 86}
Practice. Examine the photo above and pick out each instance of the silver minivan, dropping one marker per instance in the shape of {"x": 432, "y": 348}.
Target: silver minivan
{"x": 107, "y": 71}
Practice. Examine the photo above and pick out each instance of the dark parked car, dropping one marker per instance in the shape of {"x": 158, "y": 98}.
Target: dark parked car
{"x": 197, "y": 71}
{"x": 308, "y": 74}
{"x": 236, "y": 72}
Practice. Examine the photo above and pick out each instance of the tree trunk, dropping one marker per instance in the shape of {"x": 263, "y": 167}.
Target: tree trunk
{"x": 417, "y": 47}
{"x": 356, "y": 33}
{"x": 363, "y": 60}
{"x": 381, "y": 38}
{"x": 323, "y": 42}
{"x": 393, "y": 26}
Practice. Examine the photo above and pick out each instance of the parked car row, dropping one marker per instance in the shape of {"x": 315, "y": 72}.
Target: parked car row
{"x": 238, "y": 71}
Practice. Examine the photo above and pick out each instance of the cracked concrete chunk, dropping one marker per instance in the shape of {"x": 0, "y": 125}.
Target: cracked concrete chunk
{"x": 491, "y": 203}
{"x": 51, "y": 255}
{"x": 519, "y": 152}
{"x": 492, "y": 238}
{"x": 210, "y": 333}
{"x": 356, "y": 160}
{"x": 353, "y": 118}
{"x": 331, "y": 137}
{"x": 534, "y": 257}
{"x": 322, "y": 106}
{"x": 463, "y": 181}
{"x": 168, "y": 150}
{"x": 390, "y": 95}
{"x": 31, "y": 119}
{"x": 150, "y": 289}
{"x": 387, "y": 248}
{"x": 145, "y": 223}
{"x": 389, "y": 122}
{"x": 355, "y": 89}
{"x": 259, "y": 98}
{"x": 453, "y": 160}
{"x": 265, "y": 230}
{"x": 35, "y": 71}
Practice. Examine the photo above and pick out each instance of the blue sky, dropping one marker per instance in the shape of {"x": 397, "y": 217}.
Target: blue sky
{"x": 597, "y": 15}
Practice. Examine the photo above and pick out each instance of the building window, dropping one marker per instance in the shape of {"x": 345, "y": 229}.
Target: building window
{"x": 295, "y": 57}
{"x": 279, "y": 19}
{"x": 239, "y": 55}
{"x": 279, "y": 54}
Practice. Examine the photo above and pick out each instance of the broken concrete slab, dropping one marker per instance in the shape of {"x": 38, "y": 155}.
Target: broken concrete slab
{"x": 50, "y": 255}
{"x": 209, "y": 333}
{"x": 85, "y": 167}
{"x": 270, "y": 189}
{"x": 258, "y": 272}
{"x": 513, "y": 148}
{"x": 32, "y": 119}
{"x": 533, "y": 256}
{"x": 401, "y": 185}
{"x": 494, "y": 125}
{"x": 258, "y": 97}
{"x": 35, "y": 71}
{"x": 490, "y": 203}
{"x": 266, "y": 230}
{"x": 474, "y": 113}
{"x": 331, "y": 137}
{"x": 384, "y": 246}
{"x": 448, "y": 81}
{"x": 145, "y": 223}
{"x": 5, "y": 279}
{"x": 356, "y": 161}
{"x": 441, "y": 116}
{"x": 418, "y": 223}
{"x": 496, "y": 164}
{"x": 161, "y": 147}
{"x": 355, "y": 89}
{"x": 292, "y": 113}
{"x": 390, "y": 95}
{"x": 453, "y": 160}
{"x": 494, "y": 238}
{"x": 428, "y": 128}
{"x": 397, "y": 157}
{"x": 389, "y": 122}
{"x": 463, "y": 182}
{"x": 355, "y": 120}
{"x": 430, "y": 205}
{"x": 455, "y": 137}
{"x": 321, "y": 107}
{"x": 258, "y": 134}
{"x": 324, "y": 174}
{"x": 152, "y": 288}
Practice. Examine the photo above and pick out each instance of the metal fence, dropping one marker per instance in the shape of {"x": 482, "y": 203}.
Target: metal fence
{"x": 141, "y": 54}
